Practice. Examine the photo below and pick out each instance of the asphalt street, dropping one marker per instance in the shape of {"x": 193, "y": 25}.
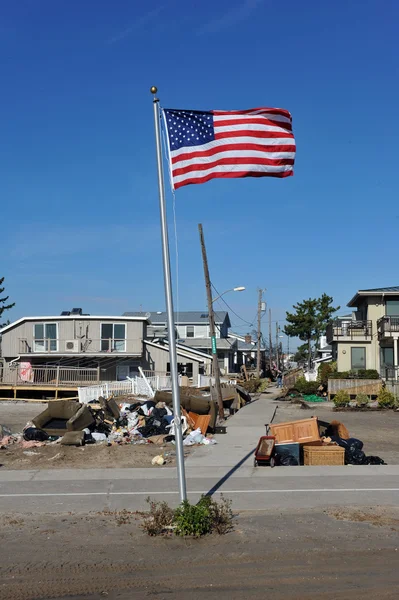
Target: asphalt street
{"x": 249, "y": 488}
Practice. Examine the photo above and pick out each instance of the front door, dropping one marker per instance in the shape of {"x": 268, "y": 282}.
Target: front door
{"x": 387, "y": 363}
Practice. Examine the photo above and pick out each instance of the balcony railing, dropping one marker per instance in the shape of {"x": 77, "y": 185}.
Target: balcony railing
{"x": 389, "y": 372}
{"x": 388, "y": 325}
{"x": 71, "y": 346}
{"x": 25, "y": 374}
{"x": 351, "y": 330}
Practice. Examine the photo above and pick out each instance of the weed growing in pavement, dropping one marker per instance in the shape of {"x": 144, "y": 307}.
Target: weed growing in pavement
{"x": 194, "y": 520}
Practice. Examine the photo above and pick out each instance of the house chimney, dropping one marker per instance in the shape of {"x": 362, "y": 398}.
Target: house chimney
{"x": 248, "y": 339}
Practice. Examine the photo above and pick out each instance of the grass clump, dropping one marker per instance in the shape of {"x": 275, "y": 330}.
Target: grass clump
{"x": 189, "y": 520}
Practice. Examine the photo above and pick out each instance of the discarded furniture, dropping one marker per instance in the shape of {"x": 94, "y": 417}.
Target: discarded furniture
{"x": 323, "y": 455}
{"x": 303, "y": 431}
{"x": 191, "y": 402}
{"x": 290, "y": 448}
{"x": 61, "y": 416}
{"x": 264, "y": 453}
{"x": 73, "y": 438}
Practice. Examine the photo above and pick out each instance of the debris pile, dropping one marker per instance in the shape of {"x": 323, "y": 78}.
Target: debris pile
{"x": 311, "y": 442}
{"x": 106, "y": 422}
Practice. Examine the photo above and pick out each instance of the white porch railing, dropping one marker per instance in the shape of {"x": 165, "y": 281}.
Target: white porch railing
{"x": 26, "y": 374}
{"x": 205, "y": 381}
{"x": 138, "y": 386}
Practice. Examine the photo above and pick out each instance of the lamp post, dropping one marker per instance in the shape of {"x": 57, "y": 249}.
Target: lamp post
{"x": 215, "y": 361}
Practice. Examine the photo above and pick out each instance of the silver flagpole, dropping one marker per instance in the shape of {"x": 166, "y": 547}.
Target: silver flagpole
{"x": 169, "y": 309}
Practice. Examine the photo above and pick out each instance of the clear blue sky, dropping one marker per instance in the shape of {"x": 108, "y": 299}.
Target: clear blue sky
{"x": 78, "y": 188}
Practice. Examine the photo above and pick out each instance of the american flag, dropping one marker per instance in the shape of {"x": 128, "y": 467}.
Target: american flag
{"x": 239, "y": 143}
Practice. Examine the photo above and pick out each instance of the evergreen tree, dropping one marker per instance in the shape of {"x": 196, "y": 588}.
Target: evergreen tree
{"x": 3, "y": 305}
{"x": 310, "y": 320}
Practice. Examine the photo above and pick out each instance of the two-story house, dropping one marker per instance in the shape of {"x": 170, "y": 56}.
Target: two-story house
{"x": 368, "y": 339}
{"x": 111, "y": 344}
{"x": 192, "y": 331}
{"x": 74, "y": 349}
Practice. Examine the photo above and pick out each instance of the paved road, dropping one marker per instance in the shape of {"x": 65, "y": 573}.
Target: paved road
{"x": 249, "y": 488}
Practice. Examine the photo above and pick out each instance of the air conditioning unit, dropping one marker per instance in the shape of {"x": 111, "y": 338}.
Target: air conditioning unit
{"x": 72, "y": 345}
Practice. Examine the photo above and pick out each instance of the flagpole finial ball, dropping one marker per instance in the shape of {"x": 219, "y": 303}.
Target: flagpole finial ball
{"x": 153, "y": 89}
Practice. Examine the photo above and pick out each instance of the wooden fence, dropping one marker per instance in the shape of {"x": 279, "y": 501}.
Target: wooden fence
{"x": 371, "y": 387}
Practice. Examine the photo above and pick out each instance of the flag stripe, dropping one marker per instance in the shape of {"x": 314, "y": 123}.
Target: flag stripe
{"x": 230, "y": 174}
{"x": 233, "y": 155}
{"x": 243, "y": 119}
{"x": 255, "y": 134}
{"x": 235, "y": 161}
{"x": 255, "y": 142}
{"x": 279, "y": 144}
{"x": 252, "y": 149}
{"x": 254, "y": 111}
{"x": 250, "y": 127}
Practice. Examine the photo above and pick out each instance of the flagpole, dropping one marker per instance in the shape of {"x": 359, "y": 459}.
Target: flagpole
{"x": 169, "y": 308}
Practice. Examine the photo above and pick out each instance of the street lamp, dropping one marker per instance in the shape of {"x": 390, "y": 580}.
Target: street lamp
{"x": 236, "y": 289}
{"x": 212, "y": 331}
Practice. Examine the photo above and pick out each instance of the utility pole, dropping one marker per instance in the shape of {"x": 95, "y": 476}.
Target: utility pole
{"x": 277, "y": 354}
{"x": 260, "y": 292}
{"x": 270, "y": 340}
{"x": 215, "y": 361}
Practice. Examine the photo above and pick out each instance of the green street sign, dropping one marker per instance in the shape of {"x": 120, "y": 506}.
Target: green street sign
{"x": 214, "y": 351}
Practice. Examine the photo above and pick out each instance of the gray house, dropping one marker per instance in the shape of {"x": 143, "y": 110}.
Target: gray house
{"x": 192, "y": 329}
{"x": 74, "y": 349}
{"x": 111, "y": 344}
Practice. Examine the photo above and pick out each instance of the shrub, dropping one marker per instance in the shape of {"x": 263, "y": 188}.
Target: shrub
{"x": 360, "y": 374}
{"x": 306, "y": 387}
{"x": 193, "y": 520}
{"x": 341, "y": 398}
{"x": 368, "y": 374}
{"x": 255, "y": 385}
{"x": 362, "y": 399}
{"x": 324, "y": 373}
{"x": 158, "y": 519}
{"x": 386, "y": 399}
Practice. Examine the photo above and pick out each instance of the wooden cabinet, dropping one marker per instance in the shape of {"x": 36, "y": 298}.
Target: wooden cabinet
{"x": 303, "y": 431}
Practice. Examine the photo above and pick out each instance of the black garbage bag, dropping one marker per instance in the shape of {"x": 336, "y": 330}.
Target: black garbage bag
{"x": 122, "y": 422}
{"x": 285, "y": 459}
{"x": 153, "y": 427}
{"x": 374, "y": 460}
{"x": 32, "y": 434}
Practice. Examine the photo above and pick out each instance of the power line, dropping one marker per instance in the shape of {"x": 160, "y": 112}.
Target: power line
{"x": 229, "y": 307}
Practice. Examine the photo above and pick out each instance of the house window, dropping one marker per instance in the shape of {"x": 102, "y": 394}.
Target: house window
{"x": 392, "y": 308}
{"x": 45, "y": 337}
{"x": 358, "y": 358}
{"x": 113, "y": 337}
{"x": 190, "y": 331}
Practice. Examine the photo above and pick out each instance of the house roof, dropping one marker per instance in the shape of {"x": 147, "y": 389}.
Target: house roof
{"x": 326, "y": 348}
{"x": 221, "y": 343}
{"x": 181, "y": 350}
{"x": 384, "y": 291}
{"x": 191, "y": 317}
{"x": 75, "y": 318}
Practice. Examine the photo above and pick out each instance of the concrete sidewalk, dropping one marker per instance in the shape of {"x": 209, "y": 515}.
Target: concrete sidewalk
{"x": 244, "y": 429}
